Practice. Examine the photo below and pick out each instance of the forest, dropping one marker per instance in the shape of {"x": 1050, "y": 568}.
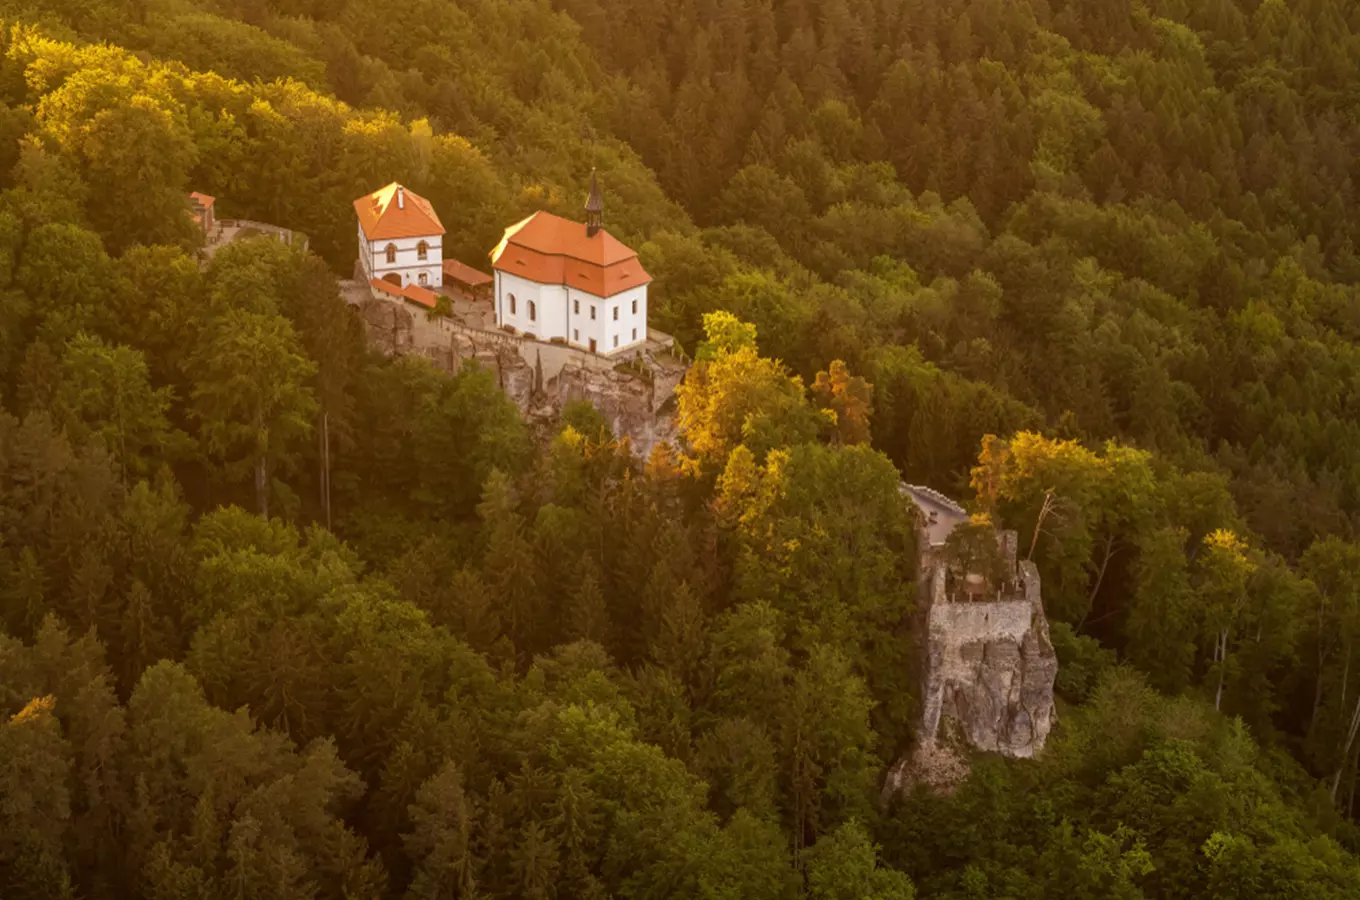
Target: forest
{"x": 1090, "y": 262}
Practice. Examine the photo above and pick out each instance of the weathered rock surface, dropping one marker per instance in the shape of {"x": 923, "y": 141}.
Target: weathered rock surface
{"x": 990, "y": 666}
{"x": 541, "y": 379}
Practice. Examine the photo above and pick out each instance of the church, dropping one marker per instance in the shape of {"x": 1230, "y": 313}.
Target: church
{"x": 556, "y": 279}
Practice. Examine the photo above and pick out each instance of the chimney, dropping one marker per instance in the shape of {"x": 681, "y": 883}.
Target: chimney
{"x": 401, "y": 197}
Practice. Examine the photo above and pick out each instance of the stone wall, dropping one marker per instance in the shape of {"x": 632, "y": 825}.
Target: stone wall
{"x": 541, "y": 378}
{"x": 988, "y": 667}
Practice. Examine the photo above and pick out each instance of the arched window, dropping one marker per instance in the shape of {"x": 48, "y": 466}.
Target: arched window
{"x": 512, "y": 304}
{"x": 422, "y": 250}
{"x": 533, "y": 311}
{"x": 424, "y": 279}
{"x": 391, "y": 254}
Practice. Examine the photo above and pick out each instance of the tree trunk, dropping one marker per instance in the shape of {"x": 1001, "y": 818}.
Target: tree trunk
{"x": 1350, "y": 808}
{"x": 1221, "y": 651}
{"x": 1321, "y": 661}
{"x": 325, "y": 436}
{"x": 262, "y": 485}
{"x": 1100, "y": 577}
{"x": 1350, "y": 732}
{"x": 1039, "y": 523}
{"x": 1346, "y": 753}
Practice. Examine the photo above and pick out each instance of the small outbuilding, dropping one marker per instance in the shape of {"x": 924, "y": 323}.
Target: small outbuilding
{"x": 202, "y": 206}
{"x": 467, "y": 282}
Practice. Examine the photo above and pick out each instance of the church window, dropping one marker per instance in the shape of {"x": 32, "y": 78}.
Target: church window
{"x": 576, "y": 307}
{"x": 592, "y": 313}
{"x": 634, "y": 307}
{"x": 616, "y": 314}
{"x": 512, "y": 304}
{"x": 533, "y": 311}
{"x": 422, "y": 250}
{"x": 391, "y": 254}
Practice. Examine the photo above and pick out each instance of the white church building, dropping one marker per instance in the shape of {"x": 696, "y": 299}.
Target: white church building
{"x": 401, "y": 239}
{"x": 573, "y": 282}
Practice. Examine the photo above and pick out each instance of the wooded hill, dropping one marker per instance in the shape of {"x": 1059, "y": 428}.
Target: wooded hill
{"x": 1118, "y": 238}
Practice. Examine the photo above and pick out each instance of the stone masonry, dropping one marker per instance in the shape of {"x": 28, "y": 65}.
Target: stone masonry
{"x": 988, "y": 661}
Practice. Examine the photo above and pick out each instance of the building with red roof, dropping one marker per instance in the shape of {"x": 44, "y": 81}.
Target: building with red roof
{"x": 471, "y": 283}
{"x": 401, "y": 239}
{"x": 555, "y": 278}
{"x": 202, "y": 207}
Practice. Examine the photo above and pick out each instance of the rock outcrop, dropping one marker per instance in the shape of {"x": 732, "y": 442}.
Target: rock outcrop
{"x": 988, "y": 662}
{"x": 990, "y": 666}
{"x": 541, "y": 378}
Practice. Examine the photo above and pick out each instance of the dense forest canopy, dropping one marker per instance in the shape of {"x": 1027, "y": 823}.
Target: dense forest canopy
{"x": 1090, "y": 266}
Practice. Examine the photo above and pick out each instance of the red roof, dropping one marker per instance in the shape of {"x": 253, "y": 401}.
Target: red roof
{"x": 203, "y": 199}
{"x": 417, "y": 294}
{"x": 552, "y": 250}
{"x": 413, "y": 292}
{"x": 394, "y": 212}
{"x": 465, "y": 274}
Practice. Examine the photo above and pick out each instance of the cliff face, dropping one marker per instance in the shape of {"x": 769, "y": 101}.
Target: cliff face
{"x": 988, "y": 661}
{"x": 540, "y": 378}
{"x": 990, "y": 667}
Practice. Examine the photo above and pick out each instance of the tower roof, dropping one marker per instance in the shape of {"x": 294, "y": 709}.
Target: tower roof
{"x": 549, "y": 249}
{"x": 395, "y": 212}
{"x": 595, "y": 202}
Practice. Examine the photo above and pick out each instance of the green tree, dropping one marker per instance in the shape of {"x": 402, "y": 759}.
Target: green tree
{"x": 843, "y": 864}
{"x": 106, "y": 390}
{"x": 36, "y": 811}
{"x": 250, "y": 396}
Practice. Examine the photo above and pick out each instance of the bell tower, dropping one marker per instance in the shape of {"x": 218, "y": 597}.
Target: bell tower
{"x": 594, "y": 208}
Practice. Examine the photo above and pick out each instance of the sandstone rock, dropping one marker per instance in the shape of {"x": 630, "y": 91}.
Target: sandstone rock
{"x": 990, "y": 666}
{"x": 637, "y": 408}
{"x": 988, "y": 660}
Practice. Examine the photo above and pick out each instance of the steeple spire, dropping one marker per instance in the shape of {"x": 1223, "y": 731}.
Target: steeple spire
{"x": 594, "y": 208}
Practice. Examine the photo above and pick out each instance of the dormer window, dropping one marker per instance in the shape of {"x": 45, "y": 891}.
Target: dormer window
{"x": 391, "y": 254}
{"x": 422, "y": 250}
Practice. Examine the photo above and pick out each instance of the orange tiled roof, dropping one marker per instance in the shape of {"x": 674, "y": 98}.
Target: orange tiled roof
{"x": 465, "y": 274}
{"x": 382, "y": 218}
{"x": 413, "y": 292}
{"x": 552, "y": 250}
{"x": 417, "y": 294}
{"x": 203, "y": 199}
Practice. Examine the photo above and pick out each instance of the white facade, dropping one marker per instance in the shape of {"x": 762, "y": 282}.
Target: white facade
{"x": 404, "y": 260}
{"x": 549, "y": 311}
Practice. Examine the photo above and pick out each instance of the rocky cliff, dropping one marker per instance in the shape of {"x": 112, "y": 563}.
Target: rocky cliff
{"x": 540, "y": 378}
{"x": 990, "y": 666}
{"x": 988, "y": 662}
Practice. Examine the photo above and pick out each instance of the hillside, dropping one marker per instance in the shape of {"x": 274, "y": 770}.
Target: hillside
{"x": 1089, "y": 266}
